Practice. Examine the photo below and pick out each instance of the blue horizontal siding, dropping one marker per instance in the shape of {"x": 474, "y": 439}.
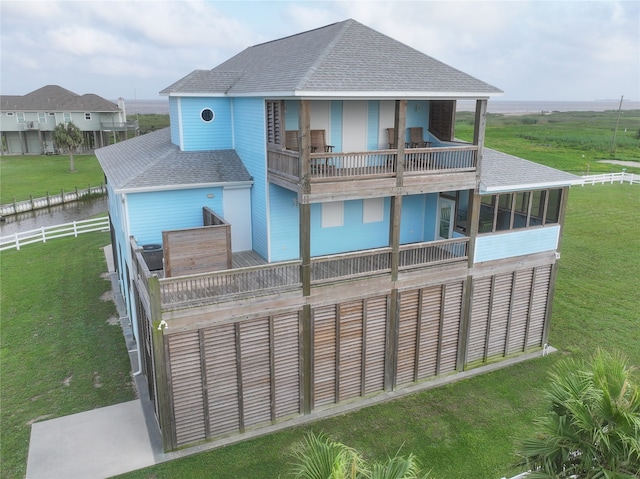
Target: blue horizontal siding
{"x": 284, "y": 218}
{"x": 516, "y": 243}
{"x": 353, "y": 235}
{"x": 152, "y": 213}
{"x": 250, "y": 144}
{"x": 198, "y": 135}
{"x": 174, "y": 119}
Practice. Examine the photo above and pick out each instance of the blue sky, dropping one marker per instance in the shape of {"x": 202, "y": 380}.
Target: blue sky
{"x": 532, "y": 50}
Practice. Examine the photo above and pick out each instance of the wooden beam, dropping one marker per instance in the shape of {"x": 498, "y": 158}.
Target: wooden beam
{"x": 391, "y": 347}
{"x": 239, "y": 377}
{"x": 205, "y": 387}
{"x": 306, "y": 354}
{"x": 304, "y": 122}
{"x": 164, "y": 398}
{"x": 465, "y": 323}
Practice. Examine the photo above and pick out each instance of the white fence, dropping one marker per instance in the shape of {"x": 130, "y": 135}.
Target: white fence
{"x": 50, "y": 200}
{"x": 42, "y": 235}
{"x": 609, "y": 178}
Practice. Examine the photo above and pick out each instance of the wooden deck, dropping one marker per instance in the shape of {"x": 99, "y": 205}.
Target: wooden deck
{"x": 251, "y": 275}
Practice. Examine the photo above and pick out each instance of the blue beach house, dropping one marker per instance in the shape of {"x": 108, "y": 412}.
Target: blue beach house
{"x": 310, "y": 232}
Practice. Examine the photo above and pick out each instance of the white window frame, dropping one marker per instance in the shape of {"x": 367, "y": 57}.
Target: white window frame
{"x": 20, "y": 117}
{"x": 372, "y": 210}
{"x": 66, "y": 118}
{"x": 87, "y": 116}
{"x": 42, "y": 117}
{"x": 333, "y": 214}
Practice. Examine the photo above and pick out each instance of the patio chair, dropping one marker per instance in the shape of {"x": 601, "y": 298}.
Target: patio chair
{"x": 416, "y": 138}
{"x": 291, "y": 141}
{"x": 391, "y": 133}
{"x": 319, "y": 142}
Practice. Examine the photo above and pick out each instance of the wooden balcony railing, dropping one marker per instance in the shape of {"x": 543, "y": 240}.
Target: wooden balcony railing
{"x": 233, "y": 282}
{"x": 371, "y": 164}
{"x": 416, "y": 255}
{"x": 281, "y": 277}
{"x": 350, "y": 265}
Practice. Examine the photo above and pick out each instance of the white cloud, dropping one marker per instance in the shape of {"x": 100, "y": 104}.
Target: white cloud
{"x": 531, "y": 49}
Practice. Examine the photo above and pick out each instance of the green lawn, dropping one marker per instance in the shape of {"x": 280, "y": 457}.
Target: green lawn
{"x": 21, "y": 176}
{"x": 59, "y": 353}
{"x": 55, "y": 331}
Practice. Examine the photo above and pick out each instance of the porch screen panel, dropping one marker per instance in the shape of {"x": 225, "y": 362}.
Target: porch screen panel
{"x": 187, "y": 387}
{"x": 274, "y": 122}
{"x": 222, "y": 379}
{"x": 324, "y": 355}
{"x": 256, "y": 371}
{"x": 286, "y": 357}
{"x": 539, "y": 306}
{"x": 450, "y": 327}
{"x": 520, "y": 310}
{"x": 442, "y": 118}
{"x": 479, "y": 319}
{"x": 350, "y": 350}
{"x": 407, "y": 335}
{"x": 376, "y": 327}
{"x": 429, "y": 332}
{"x": 499, "y": 314}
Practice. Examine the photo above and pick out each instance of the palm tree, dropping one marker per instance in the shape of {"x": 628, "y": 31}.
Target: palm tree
{"x": 68, "y": 138}
{"x": 318, "y": 457}
{"x": 593, "y": 427}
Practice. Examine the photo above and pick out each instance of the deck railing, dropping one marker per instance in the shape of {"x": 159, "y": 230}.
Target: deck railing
{"x": 350, "y": 265}
{"x": 443, "y": 251}
{"x": 232, "y": 283}
{"x": 379, "y": 163}
{"x": 280, "y": 277}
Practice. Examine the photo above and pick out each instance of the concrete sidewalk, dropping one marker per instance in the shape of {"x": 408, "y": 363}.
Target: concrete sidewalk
{"x": 95, "y": 444}
{"x": 102, "y": 442}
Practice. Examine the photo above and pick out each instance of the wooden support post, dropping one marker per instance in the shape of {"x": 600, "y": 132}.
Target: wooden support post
{"x": 391, "y": 347}
{"x": 304, "y": 122}
{"x": 465, "y": 323}
{"x": 162, "y": 377}
{"x": 479, "y": 127}
{"x": 400, "y": 124}
{"x": 306, "y": 353}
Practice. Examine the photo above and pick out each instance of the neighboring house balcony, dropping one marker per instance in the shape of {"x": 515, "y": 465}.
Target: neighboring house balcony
{"x": 119, "y": 125}
{"x": 32, "y": 125}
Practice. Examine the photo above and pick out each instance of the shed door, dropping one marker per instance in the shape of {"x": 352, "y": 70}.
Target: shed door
{"x": 237, "y": 211}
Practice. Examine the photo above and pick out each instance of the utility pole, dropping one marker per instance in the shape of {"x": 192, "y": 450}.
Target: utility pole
{"x": 615, "y": 131}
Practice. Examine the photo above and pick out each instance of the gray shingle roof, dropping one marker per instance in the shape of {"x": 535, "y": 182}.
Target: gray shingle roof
{"x": 501, "y": 172}
{"x": 151, "y": 161}
{"x": 55, "y": 98}
{"x": 345, "y": 57}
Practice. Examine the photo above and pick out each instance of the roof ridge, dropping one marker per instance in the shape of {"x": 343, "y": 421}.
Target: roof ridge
{"x": 314, "y": 67}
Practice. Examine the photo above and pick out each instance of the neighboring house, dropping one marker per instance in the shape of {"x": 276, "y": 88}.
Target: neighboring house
{"x": 27, "y": 122}
{"x": 309, "y": 232}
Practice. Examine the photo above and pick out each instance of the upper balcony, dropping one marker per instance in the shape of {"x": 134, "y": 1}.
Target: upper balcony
{"x": 351, "y": 174}
{"x": 379, "y": 150}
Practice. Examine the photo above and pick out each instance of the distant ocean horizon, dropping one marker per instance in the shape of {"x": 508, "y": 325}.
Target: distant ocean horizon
{"x": 161, "y": 107}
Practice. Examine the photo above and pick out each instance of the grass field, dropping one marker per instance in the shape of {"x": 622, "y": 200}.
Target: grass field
{"x": 22, "y": 176}
{"x": 37, "y": 175}
{"x": 60, "y": 355}
{"x": 568, "y": 141}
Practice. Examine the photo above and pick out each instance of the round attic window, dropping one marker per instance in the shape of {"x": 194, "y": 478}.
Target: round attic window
{"x": 207, "y": 115}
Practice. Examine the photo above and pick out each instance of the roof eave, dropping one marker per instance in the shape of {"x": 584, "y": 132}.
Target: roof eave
{"x": 526, "y": 186}
{"x": 185, "y": 186}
